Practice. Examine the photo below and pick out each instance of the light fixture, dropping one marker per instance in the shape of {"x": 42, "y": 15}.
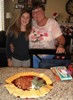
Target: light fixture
{"x": 8, "y": 19}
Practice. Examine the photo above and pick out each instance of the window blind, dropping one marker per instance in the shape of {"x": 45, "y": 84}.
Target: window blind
{"x": 1, "y": 15}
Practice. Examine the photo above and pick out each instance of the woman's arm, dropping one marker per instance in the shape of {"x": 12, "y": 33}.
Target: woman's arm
{"x": 61, "y": 43}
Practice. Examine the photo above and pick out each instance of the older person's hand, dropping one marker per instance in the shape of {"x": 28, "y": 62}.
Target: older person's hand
{"x": 60, "y": 49}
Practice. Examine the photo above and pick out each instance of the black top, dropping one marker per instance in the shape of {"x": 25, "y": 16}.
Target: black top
{"x": 21, "y": 47}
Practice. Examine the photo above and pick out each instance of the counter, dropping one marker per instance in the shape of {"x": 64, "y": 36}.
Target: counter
{"x": 63, "y": 90}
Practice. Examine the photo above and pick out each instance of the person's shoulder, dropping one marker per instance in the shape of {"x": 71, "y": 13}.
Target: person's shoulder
{"x": 51, "y": 20}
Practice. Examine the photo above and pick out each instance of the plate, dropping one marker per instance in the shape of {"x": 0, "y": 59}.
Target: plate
{"x": 29, "y": 85}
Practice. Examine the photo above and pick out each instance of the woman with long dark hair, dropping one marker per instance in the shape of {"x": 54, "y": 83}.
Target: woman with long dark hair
{"x": 17, "y": 40}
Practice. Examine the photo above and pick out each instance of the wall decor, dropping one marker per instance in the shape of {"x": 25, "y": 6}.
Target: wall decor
{"x": 28, "y": 3}
{"x": 19, "y": 6}
{"x": 69, "y": 7}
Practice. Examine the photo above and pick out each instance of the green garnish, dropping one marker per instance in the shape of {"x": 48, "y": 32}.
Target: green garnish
{"x": 38, "y": 82}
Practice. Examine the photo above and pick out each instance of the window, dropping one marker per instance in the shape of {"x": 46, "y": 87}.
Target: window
{"x": 1, "y": 15}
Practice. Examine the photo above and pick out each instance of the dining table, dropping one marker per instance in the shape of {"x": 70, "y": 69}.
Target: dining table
{"x": 62, "y": 90}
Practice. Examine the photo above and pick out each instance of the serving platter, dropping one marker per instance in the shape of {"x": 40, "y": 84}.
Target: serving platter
{"x": 29, "y": 85}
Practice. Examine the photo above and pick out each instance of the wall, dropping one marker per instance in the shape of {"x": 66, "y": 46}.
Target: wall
{"x": 10, "y": 7}
{"x": 51, "y": 7}
{"x": 57, "y": 6}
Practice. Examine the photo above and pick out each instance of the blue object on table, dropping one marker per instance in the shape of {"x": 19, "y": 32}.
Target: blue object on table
{"x": 37, "y": 60}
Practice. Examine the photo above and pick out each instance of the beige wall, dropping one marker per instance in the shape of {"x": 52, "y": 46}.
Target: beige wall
{"x": 57, "y": 6}
{"x": 10, "y": 7}
{"x": 51, "y": 7}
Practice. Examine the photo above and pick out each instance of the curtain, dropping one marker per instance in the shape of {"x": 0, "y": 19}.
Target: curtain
{"x": 1, "y": 15}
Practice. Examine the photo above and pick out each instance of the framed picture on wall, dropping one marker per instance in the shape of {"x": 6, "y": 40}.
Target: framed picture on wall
{"x": 28, "y": 3}
{"x": 19, "y": 6}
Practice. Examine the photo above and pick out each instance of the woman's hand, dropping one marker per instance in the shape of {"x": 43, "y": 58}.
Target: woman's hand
{"x": 60, "y": 44}
{"x": 60, "y": 49}
{"x": 12, "y": 47}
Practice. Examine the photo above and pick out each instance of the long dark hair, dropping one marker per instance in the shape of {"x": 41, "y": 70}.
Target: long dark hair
{"x": 15, "y": 27}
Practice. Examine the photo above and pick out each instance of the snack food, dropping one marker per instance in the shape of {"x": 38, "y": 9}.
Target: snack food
{"x": 29, "y": 85}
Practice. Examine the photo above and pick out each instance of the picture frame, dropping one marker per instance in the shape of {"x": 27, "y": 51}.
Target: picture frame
{"x": 70, "y": 19}
{"x": 19, "y": 6}
{"x": 28, "y": 3}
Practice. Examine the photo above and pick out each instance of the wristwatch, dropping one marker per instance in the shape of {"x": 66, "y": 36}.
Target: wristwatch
{"x": 69, "y": 7}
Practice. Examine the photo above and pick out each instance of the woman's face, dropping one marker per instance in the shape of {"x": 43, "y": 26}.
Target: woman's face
{"x": 25, "y": 18}
{"x": 38, "y": 14}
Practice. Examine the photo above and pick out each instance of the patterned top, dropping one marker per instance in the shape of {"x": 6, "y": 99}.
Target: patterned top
{"x": 44, "y": 37}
